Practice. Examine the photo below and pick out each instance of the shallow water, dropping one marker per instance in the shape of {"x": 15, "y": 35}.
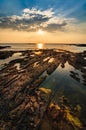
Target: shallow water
{"x": 15, "y": 56}
{"x": 62, "y": 84}
{"x": 62, "y": 76}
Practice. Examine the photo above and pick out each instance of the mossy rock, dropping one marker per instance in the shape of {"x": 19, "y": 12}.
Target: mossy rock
{"x": 46, "y": 91}
{"x": 72, "y": 119}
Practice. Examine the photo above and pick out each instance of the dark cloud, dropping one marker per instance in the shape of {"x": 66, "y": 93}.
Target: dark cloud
{"x": 54, "y": 27}
{"x": 33, "y": 19}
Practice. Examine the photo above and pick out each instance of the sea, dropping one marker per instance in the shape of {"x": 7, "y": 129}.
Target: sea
{"x": 28, "y": 46}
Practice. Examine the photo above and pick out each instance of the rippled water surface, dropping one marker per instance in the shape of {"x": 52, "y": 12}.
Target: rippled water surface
{"x": 24, "y": 46}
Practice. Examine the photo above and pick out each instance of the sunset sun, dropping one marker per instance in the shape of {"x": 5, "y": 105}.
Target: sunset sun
{"x": 40, "y": 32}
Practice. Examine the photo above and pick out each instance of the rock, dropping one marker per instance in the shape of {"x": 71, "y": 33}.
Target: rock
{"x": 44, "y": 90}
{"x": 36, "y": 105}
{"x": 32, "y": 109}
{"x": 28, "y": 106}
{"x": 22, "y": 103}
{"x": 33, "y": 99}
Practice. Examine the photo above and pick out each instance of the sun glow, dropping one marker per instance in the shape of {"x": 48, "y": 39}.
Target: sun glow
{"x": 40, "y": 32}
{"x": 40, "y": 45}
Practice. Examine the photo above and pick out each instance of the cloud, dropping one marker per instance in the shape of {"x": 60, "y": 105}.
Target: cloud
{"x": 33, "y": 19}
{"x": 53, "y": 27}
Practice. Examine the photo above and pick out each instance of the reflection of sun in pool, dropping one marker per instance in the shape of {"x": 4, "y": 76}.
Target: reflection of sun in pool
{"x": 40, "y": 45}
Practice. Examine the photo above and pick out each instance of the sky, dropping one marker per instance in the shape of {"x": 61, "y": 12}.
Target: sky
{"x": 46, "y": 21}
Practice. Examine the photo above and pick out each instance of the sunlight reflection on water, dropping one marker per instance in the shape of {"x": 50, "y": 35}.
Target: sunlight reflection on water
{"x": 24, "y": 46}
{"x": 40, "y": 46}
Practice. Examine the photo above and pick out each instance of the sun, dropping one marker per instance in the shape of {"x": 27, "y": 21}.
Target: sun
{"x": 40, "y": 32}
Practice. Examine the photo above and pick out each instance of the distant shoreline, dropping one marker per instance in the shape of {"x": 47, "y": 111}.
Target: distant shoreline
{"x": 77, "y": 44}
{"x": 3, "y": 47}
{"x": 8, "y": 45}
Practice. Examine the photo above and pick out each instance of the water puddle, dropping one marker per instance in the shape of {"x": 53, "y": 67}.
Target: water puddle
{"x": 45, "y": 59}
{"x": 32, "y": 55}
{"x": 36, "y": 64}
{"x": 38, "y": 52}
{"x": 17, "y": 65}
{"x": 51, "y": 60}
{"x": 61, "y": 74}
{"x": 62, "y": 83}
{"x": 15, "y": 56}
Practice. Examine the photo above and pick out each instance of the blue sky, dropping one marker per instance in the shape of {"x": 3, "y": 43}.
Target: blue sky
{"x": 49, "y": 15}
{"x": 9, "y": 7}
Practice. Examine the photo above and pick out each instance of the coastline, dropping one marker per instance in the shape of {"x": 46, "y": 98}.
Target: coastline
{"x": 20, "y": 80}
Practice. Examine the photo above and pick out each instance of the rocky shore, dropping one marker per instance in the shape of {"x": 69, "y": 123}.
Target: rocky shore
{"x": 4, "y": 47}
{"x": 23, "y": 105}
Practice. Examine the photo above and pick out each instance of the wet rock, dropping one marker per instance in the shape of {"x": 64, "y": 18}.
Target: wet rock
{"x": 51, "y": 68}
{"x": 28, "y": 106}
{"x": 33, "y": 99}
{"x": 22, "y": 104}
{"x": 5, "y": 54}
{"x": 36, "y": 105}
{"x": 47, "y": 91}
{"x": 3, "y": 47}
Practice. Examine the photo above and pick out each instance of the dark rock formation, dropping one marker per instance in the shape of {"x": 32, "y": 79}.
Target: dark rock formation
{"x": 22, "y": 105}
{"x": 3, "y": 47}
